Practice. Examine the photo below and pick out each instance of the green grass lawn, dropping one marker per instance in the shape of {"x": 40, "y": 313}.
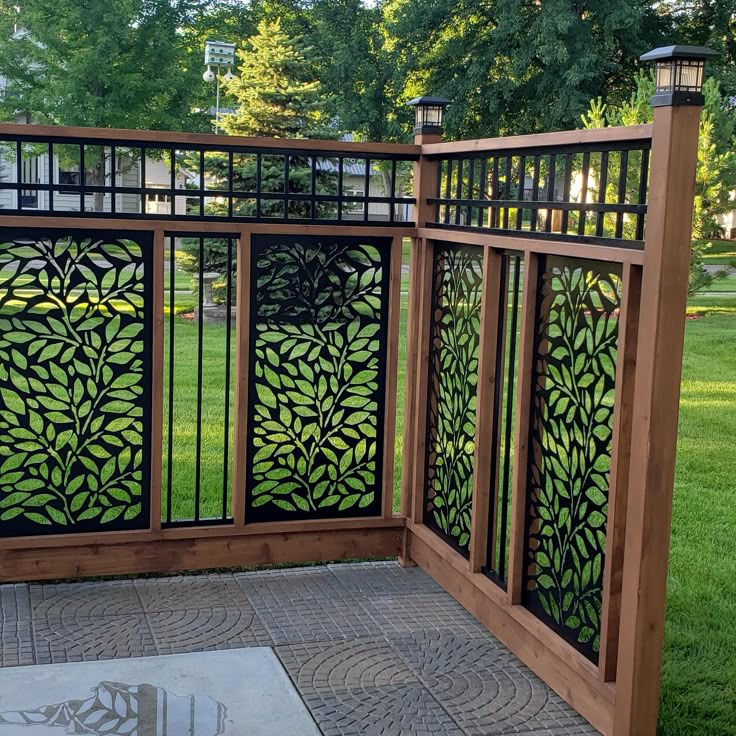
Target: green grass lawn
{"x": 699, "y": 675}
{"x": 721, "y": 252}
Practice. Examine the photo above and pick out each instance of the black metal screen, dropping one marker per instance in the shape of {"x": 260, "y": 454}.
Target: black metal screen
{"x": 317, "y": 377}
{"x": 502, "y": 451}
{"x": 75, "y": 380}
{"x": 594, "y": 193}
{"x": 64, "y": 176}
{"x": 199, "y": 371}
{"x": 570, "y": 446}
{"x": 452, "y": 391}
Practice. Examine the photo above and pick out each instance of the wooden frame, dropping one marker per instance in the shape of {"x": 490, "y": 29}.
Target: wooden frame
{"x": 619, "y": 695}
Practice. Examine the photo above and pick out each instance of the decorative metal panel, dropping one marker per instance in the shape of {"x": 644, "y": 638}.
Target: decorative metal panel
{"x": 317, "y": 384}
{"x": 75, "y": 376}
{"x": 570, "y": 446}
{"x": 452, "y": 389}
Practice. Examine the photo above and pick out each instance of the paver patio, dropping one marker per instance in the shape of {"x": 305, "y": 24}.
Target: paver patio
{"x": 372, "y": 648}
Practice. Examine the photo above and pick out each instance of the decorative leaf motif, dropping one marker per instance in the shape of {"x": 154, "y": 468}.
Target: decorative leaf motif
{"x": 317, "y": 377}
{"x": 570, "y": 447}
{"x": 453, "y": 382}
{"x": 75, "y": 333}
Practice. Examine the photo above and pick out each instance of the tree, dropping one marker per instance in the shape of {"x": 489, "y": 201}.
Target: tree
{"x": 95, "y": 63}
{"x": 716, "y": 168}
{"x": 709, "y": 23}
{"x": 276, "y": 90}
{"x": 515, "y": 66}
{"x": 278, "y": 95}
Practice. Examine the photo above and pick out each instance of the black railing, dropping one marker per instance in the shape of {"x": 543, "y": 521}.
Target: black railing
{"x": 502, "y": 454}
{"x": 588, "y": 192}
{"x": 324, "y": 183}
{"x": 198, "y": 381}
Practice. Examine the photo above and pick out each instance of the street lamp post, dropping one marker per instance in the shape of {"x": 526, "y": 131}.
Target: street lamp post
{"x": 218, "y": 54}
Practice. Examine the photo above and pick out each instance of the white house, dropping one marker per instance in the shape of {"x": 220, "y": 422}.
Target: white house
{"x": 38, "y": 168}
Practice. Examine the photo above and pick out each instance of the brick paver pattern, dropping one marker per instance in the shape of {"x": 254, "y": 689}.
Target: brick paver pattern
{"x": 373, "y": 648}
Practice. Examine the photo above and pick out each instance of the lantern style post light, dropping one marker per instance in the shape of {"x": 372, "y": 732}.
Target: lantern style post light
{"x": 428, "y": 125}
{"x": 679, "y": 74}
{"x": 429, "y": 115}
{"x": 220, "y": 55}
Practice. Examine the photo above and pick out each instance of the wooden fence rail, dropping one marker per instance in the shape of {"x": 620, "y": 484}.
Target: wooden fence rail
{"x": 546, "y": 300}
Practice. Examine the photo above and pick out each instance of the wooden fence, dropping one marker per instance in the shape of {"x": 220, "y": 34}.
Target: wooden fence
{"x": 546, "y": 305}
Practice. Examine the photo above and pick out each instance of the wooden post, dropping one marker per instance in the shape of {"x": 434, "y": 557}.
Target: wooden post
{"x": 392, "y": 360}
{"x": 620, "y": 462}
{"x": 655, "y": 415}
{"x": 425, "y": 187}
{"x": 242, "y": 355}
{"x": 157, "y": 378}
{"x": 490, "y": 324}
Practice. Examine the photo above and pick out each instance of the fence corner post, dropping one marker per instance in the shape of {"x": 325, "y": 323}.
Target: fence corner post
{"x": 655, "y": 415}
{"x": 425, "y": 185}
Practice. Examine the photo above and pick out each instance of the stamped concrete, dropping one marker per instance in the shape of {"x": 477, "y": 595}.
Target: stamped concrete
{"x": 371, "y": 648}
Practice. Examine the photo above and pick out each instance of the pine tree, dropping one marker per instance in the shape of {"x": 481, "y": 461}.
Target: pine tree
{"x": 278, "y": 96}
{"x": 277, "y": 92}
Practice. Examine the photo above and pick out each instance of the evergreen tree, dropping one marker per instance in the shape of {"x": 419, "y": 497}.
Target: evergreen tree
{"x": 276, "y": 90}
{"x": 278, "y": 95}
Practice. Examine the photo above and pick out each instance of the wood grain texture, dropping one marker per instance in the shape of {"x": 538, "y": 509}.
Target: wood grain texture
{"x": 85, "y": 559}
{"x": 157, "y": 378}
{"x": 619, "y": 479}
{"x": 483, "y": 484}
{"x": 392, "y": 363}
{"x": 242, "y": 356}
{"x": 413, "y": 320}
{"x": 164, "y": 137}
{"x": 524, "y": 389}
{"x": 552, "y": 247}
{"x": 655, "y": 417}
{"x": 419, "y": 412}
{"x": 540, "y": 140}
{"x": 201, "y": 227}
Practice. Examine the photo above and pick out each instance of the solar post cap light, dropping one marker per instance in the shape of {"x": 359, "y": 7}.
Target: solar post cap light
{"x": 429, "y": 114}
{"x": 679, "y": 74}
{"x": 218, "y": 54}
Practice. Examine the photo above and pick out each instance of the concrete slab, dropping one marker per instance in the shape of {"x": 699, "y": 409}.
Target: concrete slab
{"x": 221, "y": 693}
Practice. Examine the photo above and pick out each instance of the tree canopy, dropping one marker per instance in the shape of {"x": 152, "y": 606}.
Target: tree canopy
{"x": 509, "y": 66}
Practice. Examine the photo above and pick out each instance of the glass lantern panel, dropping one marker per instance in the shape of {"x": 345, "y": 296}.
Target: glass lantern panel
{"x": 664, "y": 76}
{"x": 689, "y": 75}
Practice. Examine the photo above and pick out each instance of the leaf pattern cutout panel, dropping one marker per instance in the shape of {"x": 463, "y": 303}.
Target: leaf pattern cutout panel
{"x": 570, "y": 446}
{"x": 317, "y": 384}
{"x": 453, "y": 384}
{"x": 75, "y": 375}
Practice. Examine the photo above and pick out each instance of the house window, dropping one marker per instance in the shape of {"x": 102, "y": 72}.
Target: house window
{"x": 69, "y": 176}
{"x": 354, "y": 206}
{"x": 158, "y": 204}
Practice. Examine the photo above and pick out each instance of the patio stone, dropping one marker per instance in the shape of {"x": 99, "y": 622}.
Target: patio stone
{"x": 89, "y": 638}
{"x": 69, "y": 601}
{"x": 205, "y": 629}
{"x": 484, "y": 687}
{"x": 418, "y": 612}
{"x": 321, "y": 668}
{"x": 403, "y": 710}
{"x": 373, "y": 649}
{"x": 186, "y": 593}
